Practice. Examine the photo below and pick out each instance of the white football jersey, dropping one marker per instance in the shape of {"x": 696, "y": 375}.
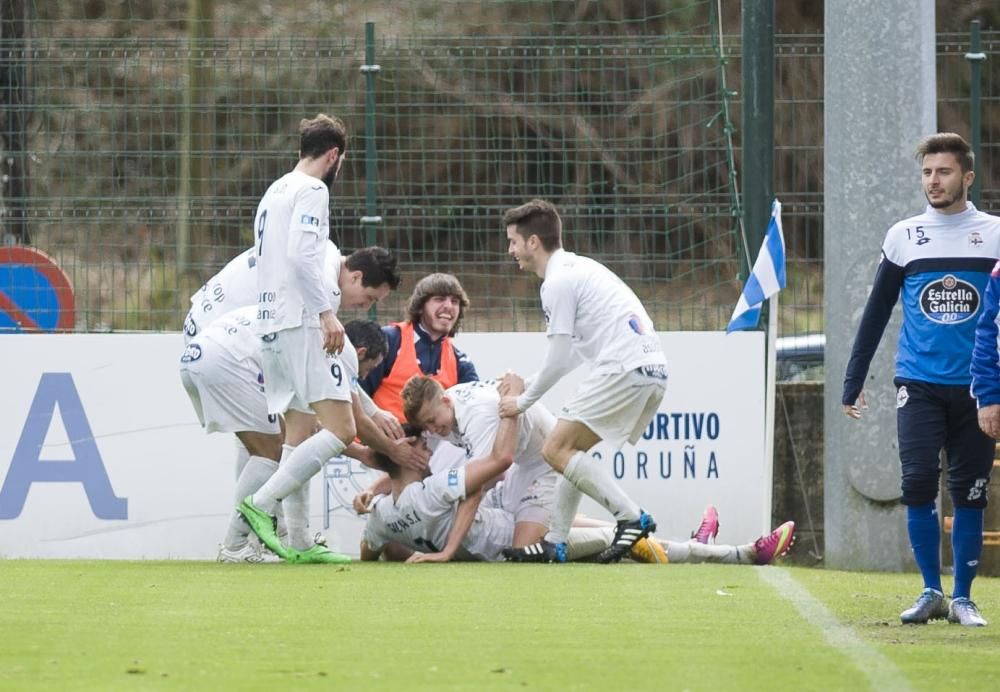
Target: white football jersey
{"x": 235, "y": 286}
{"x": 422, "y": 516}
{"x": 608, "y": 324}
{"x": 477, "y": 420}
{"x": 235, "y": 332}
{"x": 293, "y": 213}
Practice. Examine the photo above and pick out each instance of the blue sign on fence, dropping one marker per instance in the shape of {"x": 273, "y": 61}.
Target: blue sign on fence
{"x": 35, "y": 293}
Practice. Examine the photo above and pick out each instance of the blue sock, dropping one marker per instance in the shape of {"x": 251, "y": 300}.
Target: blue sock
{"x": 925, "y": 539}
{"x": 966, "y": 545}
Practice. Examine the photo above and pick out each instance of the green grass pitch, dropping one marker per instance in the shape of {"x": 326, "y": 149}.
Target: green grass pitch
{"x": 87, "y": 625}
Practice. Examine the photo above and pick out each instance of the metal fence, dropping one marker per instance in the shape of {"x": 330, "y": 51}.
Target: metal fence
{"x": 147, "y": 153}
{"x": 138, "y": 138}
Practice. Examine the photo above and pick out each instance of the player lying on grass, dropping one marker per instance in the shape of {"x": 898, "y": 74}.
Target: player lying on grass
{"x": 419, "y": 518}
{"x": 467, "y": 415}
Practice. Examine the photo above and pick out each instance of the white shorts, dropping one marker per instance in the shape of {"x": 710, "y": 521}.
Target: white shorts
{"x": 297, "y": 371}
{"x": 226, "y": 393}
{"x": 527, "y": 492}
{"x": 617, "y": 406}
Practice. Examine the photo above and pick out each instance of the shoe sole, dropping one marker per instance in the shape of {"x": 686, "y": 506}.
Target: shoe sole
{"x": 715, "y": 529}
{"x": 541, "y": 558}
{"x": 923, "y": 622}
{"x": 648, "y": 554}
{"x": 327, "y": 559}
{"x": 784, "y": 544}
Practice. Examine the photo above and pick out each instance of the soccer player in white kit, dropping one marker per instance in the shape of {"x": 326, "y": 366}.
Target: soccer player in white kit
{"x": 220, "y": 370}
{"x": 592, "y": 317}
{"x": 466, "y": 415}
{"x": 420, "y": 510}
{"x": 235, "y": 286}
{"x": 298, "y": 325}
{"x": 420, "y": 514}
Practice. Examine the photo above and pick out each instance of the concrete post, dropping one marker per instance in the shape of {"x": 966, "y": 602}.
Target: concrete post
{"x": 880, "y": 100}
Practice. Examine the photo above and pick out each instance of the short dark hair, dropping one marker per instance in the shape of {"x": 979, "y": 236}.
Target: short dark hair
{"x": 538, "y": 218}
{"x": 321, "y": 134}
{"x": 387, "y": 465}
{"x": 390, "y": 467}
{"x": 367, "y": 334}
{"x": 377, "y": 266}
{"x": 434, "y": 285}
{"x": 948, "y": 143}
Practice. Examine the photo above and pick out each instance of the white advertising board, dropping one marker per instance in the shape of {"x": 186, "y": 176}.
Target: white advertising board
{"x": 101, "y": 455}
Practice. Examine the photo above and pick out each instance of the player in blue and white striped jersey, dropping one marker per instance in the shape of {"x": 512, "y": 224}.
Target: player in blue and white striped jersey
{"x": 938, "y": 262}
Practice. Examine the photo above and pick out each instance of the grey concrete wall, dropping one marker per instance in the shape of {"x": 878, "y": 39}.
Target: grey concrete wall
{"x": 879, "y": 101}
{"x": 799, "y": 480}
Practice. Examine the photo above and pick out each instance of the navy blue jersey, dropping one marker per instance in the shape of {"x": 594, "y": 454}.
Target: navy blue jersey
{"x": 939, "y": 264}
{"x": 428, "y": 355}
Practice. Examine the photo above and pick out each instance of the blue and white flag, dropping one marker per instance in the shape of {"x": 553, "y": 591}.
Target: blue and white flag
{"x": 767, "y": 277}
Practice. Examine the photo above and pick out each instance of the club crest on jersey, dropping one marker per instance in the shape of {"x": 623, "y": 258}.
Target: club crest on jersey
{"x": 637, "y": 325}
{"x": 453, "y": 478}
{"x": 191, "y": 353}
{"x": 949, "y": 300}
{"x": 902, "y": 396}
{"x": 975, "y": 239}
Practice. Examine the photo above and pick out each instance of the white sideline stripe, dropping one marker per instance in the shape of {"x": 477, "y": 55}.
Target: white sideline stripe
{"x": 882, "y": 673}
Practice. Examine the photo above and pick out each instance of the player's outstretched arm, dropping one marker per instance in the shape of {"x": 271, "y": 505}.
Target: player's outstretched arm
{"x": 464, "y": 516}
{"x": 560, "y": 359}
{"x": 478, "y": 473}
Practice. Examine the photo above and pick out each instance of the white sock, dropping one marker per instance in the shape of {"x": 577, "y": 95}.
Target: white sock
{"x": 694, "y": 552}
{"x": 584, "y": 542}
{"x": 255, "y": 474}
{"x": 242, "y": 457}
{"x": 303, "y": 463}
{"x": 296, "y": 508}
{"x": 279, "y": 510}
{"x": 567, "y": 499}
{"x": 593, "y": 480}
